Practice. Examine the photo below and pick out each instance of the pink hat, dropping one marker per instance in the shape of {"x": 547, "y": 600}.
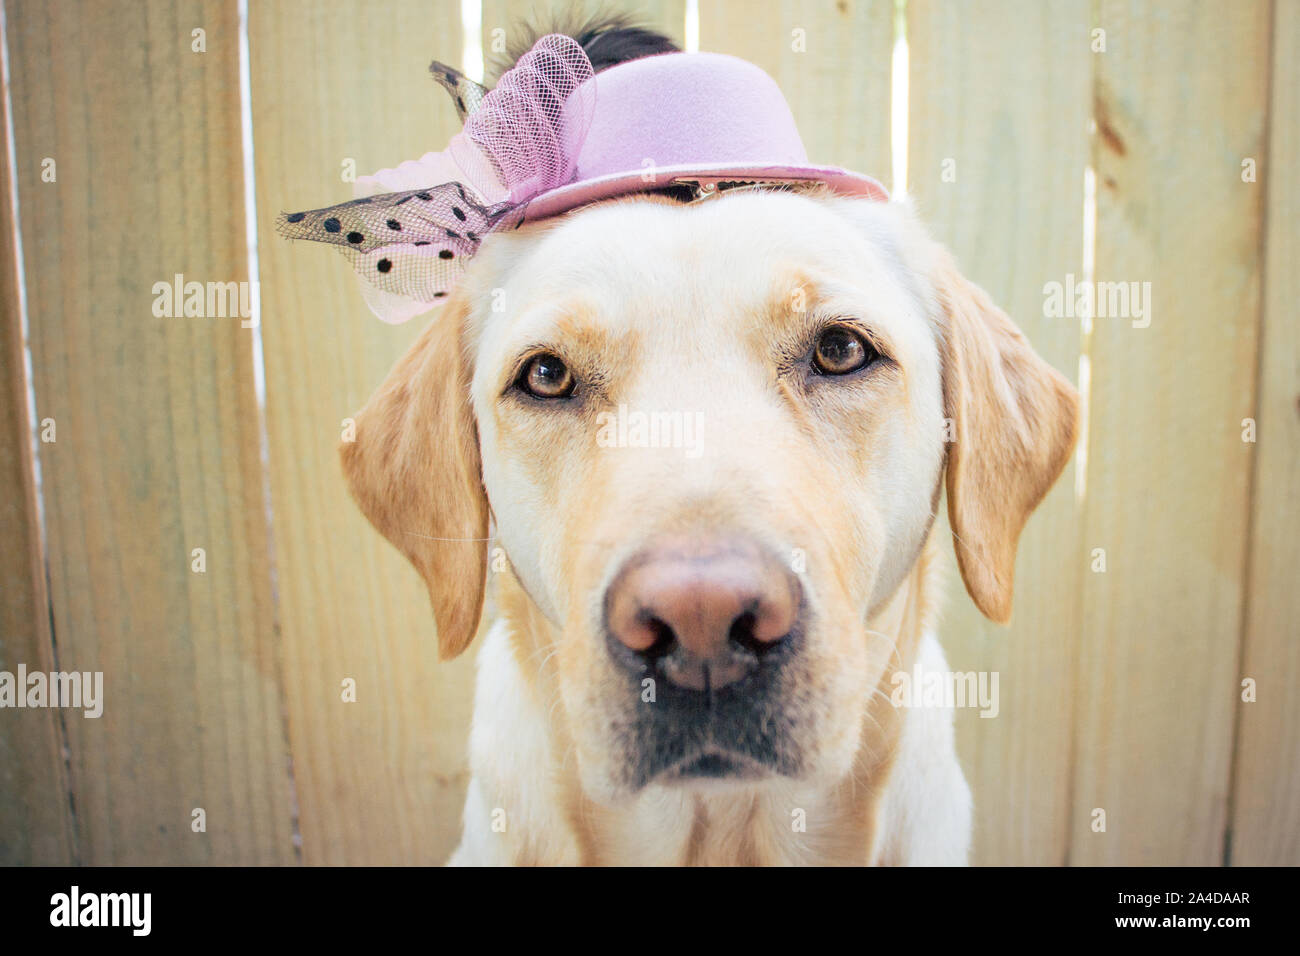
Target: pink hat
{"x": 553, "y": 136}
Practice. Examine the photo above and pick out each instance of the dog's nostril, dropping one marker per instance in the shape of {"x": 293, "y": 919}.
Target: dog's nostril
{"x": 664, "y": 640}
{"x": 744, "y": 634}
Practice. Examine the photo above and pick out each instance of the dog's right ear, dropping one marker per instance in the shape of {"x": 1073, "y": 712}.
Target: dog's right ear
{"x": 415, "y": 472}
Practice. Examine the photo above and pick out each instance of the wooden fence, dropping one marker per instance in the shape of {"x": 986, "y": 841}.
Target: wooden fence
{"x": 1162, "y": 149}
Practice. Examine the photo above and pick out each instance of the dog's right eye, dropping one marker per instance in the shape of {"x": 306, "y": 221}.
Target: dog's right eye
{"x": 840, "y": 351}
{"x": 546, "y": 376}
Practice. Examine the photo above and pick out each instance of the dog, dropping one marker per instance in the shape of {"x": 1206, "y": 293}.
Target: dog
{"x": 692, "y": 655}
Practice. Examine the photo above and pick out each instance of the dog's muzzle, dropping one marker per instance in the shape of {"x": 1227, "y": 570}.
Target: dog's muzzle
{"x": 705, "y": 629}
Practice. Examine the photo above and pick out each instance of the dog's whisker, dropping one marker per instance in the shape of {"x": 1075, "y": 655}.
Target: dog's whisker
{"x": 549, "y": 657}
{"x": 430, "y": 537}
{"x": 969, "y": 550}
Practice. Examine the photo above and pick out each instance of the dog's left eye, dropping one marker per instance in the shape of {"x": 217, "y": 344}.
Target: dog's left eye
{"x": 546, "y": 376}
{"x": 840, "y": 351}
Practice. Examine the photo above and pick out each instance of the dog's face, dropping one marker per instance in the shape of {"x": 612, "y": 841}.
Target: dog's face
{"x": 712, "y": 437}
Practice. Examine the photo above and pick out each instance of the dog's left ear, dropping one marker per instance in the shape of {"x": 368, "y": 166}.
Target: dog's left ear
{"x": 1016, "y": 422}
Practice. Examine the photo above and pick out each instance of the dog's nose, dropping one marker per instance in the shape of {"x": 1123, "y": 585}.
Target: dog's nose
{"x": 704, "y": 612}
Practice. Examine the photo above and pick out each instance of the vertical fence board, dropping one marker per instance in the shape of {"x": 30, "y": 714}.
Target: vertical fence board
{"x": 381, "y": 780}
{"x": 501, "y": 16}
{"x": 1180, "y": 102}
{"x": 157, "y": 437}
{"x": 831, "y": 58}
{"x": 999, "y": 101}
{"x": 1266, "y": 789}
{"x": 35, "y": 819}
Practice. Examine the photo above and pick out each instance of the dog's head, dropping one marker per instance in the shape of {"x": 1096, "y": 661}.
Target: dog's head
{"x": 712, "y": 437}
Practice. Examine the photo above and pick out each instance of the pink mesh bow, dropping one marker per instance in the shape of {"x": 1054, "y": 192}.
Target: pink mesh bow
{"x": 531, "y": 125}
{"x": 411, "y": 231}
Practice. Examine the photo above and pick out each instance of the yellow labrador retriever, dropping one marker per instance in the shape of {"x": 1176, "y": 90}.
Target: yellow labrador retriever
{"x": 698, "y": 625}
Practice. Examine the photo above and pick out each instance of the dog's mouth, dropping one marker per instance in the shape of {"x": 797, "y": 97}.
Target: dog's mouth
{"x": 715, "y": 765}
{"x": 743, "y": 732}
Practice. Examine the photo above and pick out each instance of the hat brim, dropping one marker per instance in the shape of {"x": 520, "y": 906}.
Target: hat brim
{"x": 573, "y": 195}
